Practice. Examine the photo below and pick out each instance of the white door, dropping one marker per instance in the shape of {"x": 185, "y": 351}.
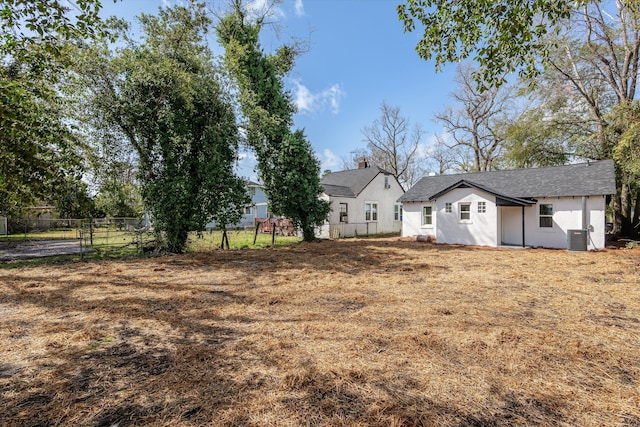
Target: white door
{"x": 511, "y": 227}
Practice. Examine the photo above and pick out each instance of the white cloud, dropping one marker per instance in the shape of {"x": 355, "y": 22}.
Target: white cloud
{"x": 304, "y": 99}
{"x": 328, "y": 160}
{"x": 246, "y": 165}
{"x": 432, "y": 141}
{"x": 333, "y": 95}
{"x": 309, "y": 102}
{"x": 261, "y": 8}
{"x": 299, "y": 8}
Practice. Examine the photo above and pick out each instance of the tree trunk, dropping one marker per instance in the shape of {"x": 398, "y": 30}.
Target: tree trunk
{"x": 635, "y": 232}
{"x": 617, "y": 218}
{"x": 624, "y": 212}
{"x": 308, "y": 234}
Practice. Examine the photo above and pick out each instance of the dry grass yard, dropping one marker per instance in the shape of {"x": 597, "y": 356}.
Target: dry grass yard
{"x": 377, "y": 332}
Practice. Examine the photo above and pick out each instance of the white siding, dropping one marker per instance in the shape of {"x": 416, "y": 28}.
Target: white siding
{"x": 567, "y": 215}
{"x": 480, "y": 229}
{"x": 385, "y": 197}
{"x": 500, "y": 223}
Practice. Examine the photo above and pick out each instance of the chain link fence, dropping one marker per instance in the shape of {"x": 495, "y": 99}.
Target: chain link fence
{"x": 88, "y": 234}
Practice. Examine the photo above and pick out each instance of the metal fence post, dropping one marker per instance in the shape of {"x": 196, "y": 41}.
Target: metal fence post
{"x": 81, "y": 253}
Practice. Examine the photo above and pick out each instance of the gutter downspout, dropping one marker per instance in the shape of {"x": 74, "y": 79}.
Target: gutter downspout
{"x": 523, "y": 245}
{"x": 584, "y": 212}
{"x": 585, "y": 226}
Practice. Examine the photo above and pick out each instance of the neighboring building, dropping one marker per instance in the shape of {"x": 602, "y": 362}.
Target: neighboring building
{"x": 527, "y": 207}
{"x": 363, "y": 202}
{"x": 257, "y": 208}
{"x": 259, "y": 204}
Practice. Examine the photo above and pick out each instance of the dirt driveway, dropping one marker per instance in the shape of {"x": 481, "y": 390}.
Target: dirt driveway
{"x": 11, "y": 251}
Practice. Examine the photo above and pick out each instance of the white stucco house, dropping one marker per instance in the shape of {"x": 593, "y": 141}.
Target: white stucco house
{"x": 363, "y": 202}
{"x": 538, "y": 207}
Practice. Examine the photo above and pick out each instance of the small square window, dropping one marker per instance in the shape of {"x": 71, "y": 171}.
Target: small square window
{"x": 482, "y": 207}
{"x": 427, "y": 216}
{"x": 465, "y": 211}
{"x": 247, "y": 210}
{"x": 448, "y": 208}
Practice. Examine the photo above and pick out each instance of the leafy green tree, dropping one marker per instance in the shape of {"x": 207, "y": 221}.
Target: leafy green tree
{"x": 119, "y": 199}
{"x": 165, "y": 96}
{"x": 587, "y": 51}
{"x": 39, "y": 147}
{"x": 501, "y": 36}
{"x": 593, "y": 70}
{"x": 291, "y": 182}
{"x": 113, "y": 173}
{"x": 296, "y": 174}
{"x": 534, "y": 140}
{"x": 625, "y": 128}
{"x": 74, "y": 200}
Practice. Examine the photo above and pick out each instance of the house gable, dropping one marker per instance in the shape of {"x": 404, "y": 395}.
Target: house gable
{"x": 350, "y": 183}
{"x": 535, "y": 207}
{"x": 364, "y": 201}
{"x": 501, "y": 199}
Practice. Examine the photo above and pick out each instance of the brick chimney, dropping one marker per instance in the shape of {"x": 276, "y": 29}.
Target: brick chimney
{"x": 363, "y": 164}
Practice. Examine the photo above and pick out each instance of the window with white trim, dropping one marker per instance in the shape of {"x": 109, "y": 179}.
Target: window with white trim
{"x": 247, "y": 210}
{"x": 427, "y": 215}
{"x": 397, "y": 212}
{"x": 448, "y": 208}
{"x": 371, "y": 211}
{"x": 482, "y": 207}
{"x": 465, "y": 211}
{"x": 546, "y": 215}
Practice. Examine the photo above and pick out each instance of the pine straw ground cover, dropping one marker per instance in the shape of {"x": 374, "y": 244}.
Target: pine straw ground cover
{"x": 355, "y": 332}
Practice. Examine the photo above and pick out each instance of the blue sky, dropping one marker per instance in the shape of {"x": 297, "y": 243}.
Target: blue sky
{"x": 358, "y": 57}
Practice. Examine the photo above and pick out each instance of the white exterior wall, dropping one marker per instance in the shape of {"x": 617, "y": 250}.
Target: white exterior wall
{"x": 412, "y": 221}
{"x": 386, "y": 199}
{"x": 485, "y": 229}
{"x": 480, "y": 229}
{"x": 375, "y": 192}
{"x": 567, "y": 215}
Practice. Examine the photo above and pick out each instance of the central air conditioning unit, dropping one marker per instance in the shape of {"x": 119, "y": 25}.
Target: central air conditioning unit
{"x": 577, "y": 240}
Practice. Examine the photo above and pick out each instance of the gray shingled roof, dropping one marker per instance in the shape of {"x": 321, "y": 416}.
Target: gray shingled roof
{"x": 349, "y": 183}
{"x": 584, "y": 179}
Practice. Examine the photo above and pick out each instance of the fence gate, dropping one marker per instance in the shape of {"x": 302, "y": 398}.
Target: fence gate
{"x": 3, "y": 225}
